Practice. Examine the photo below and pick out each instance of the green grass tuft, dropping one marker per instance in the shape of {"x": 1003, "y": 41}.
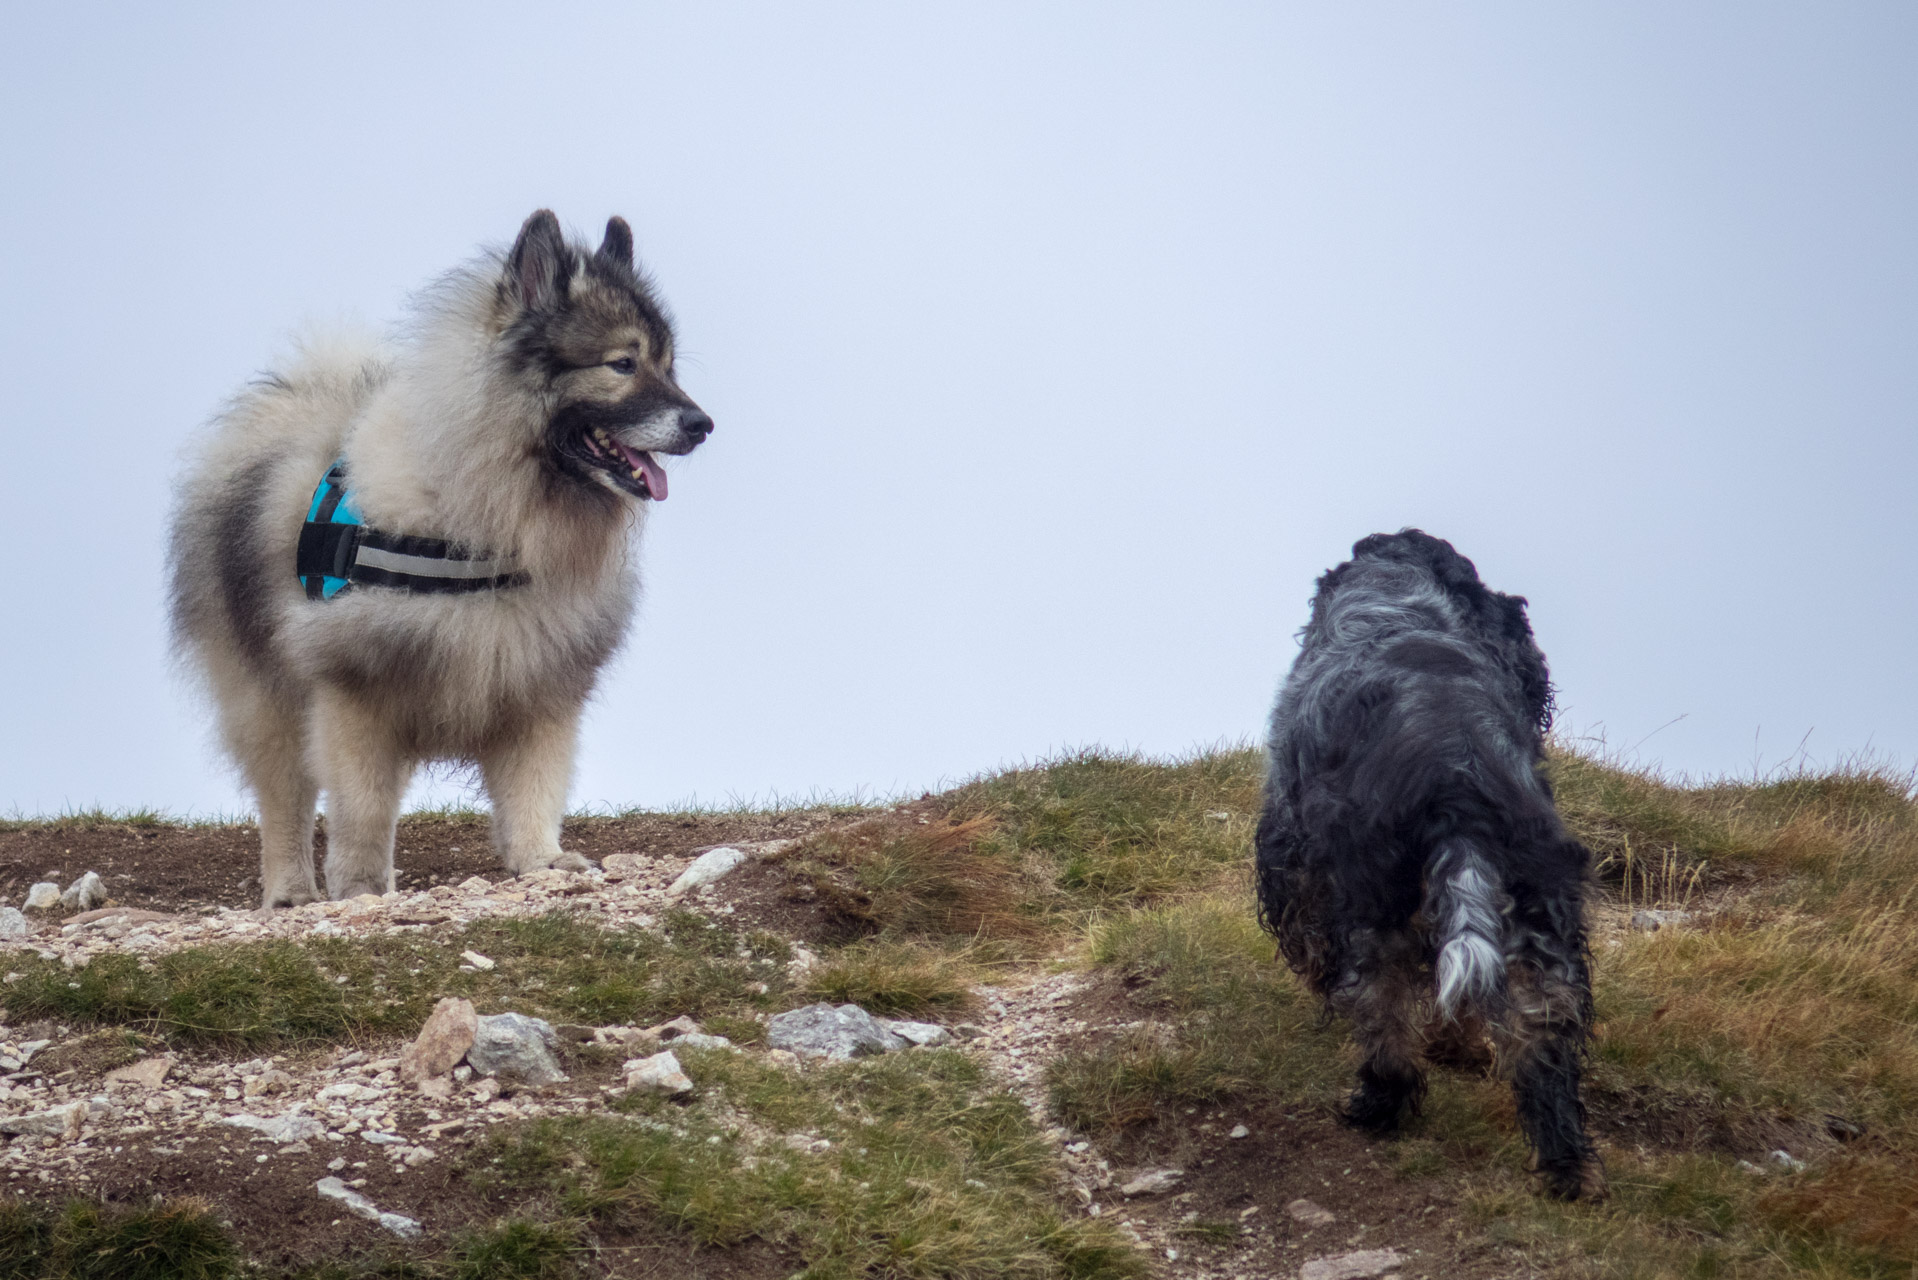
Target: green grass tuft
{"x": 257, "y": 994}
{"x": 1109, "y": 830}
{"x": 177, "y": 1240}
{"x": 924, "y": 1170}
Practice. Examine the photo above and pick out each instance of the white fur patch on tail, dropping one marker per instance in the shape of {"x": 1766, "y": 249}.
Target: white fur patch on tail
{"x": 1465, "y": 894}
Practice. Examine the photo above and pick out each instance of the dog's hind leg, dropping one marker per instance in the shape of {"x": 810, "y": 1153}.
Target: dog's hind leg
{"x": 267, "y": 736}
{"x": 527, "y": 774}
{"x": 1541, "y": 1044}
{"x": 364, "y": 771}
{"x": 1381, "y": 999}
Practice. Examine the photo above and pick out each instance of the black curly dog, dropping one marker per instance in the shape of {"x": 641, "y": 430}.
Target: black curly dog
{"x": 1410, "y": 859}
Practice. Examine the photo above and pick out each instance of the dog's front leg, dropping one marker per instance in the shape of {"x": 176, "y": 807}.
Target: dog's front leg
{"x": 527, "y": 774}
{"x": 364, "y": 772}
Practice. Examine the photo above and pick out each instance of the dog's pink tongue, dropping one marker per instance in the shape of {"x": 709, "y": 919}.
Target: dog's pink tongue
{"x": 644, "y": 464}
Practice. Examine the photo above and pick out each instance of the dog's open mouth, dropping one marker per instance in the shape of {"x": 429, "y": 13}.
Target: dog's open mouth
{"x": 631, "y": 469}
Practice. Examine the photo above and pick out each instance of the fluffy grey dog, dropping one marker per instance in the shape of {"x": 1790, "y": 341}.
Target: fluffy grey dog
{"x": 1410, "y": 858}
{"x": 387, "y": 556}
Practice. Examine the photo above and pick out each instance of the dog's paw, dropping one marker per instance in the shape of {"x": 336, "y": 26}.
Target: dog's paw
{"x": 277, "y": 896}
{"x": 558, "y": 860}
{"x": 1584, "y": 1181}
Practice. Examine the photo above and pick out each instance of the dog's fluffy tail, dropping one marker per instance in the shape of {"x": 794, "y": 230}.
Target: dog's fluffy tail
{"x": 1464, "y": 901}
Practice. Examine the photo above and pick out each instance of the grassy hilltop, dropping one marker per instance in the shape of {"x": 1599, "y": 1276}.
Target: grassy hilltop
{"x": 1779, "y": 1014}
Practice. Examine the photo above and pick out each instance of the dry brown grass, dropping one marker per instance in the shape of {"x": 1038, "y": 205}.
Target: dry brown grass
{"x": 893, "y": 877}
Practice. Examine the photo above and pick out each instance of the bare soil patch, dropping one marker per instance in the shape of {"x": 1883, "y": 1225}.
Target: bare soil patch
{"x": 179, "y": 869}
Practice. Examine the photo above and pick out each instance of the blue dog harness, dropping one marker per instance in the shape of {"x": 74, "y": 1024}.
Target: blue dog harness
{"x": 338, "y": 549}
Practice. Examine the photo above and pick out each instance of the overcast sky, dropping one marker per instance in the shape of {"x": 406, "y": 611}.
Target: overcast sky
{"x": 1054, "y": 350}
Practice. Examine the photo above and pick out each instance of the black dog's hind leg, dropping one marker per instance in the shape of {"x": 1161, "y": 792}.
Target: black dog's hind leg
{"x": 1543, "y": 1043}
{"x": 1382, "y": 999}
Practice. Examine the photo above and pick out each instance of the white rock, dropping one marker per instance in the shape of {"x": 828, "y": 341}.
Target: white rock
{"x": 822, "y": 1031}
{"x": 43, "y": 896}
{"x": 148, "y": 1073}
{"x": 349, "y": 1091}
{"x": 292, "y": 1127}
{"x": 1652, "y": 920}
{"x": 1311, "y": 1213}
{"x": 708, "y": 867}
{"x": 379, "y": 1139}
{"x": 515, "y": 1047}
{"x": 1360, "y": 1265}
{"x": 86, "y": 893}
{"x": 924, "y": 1034}
{"x": 12, "y": 923}
{"x": 478, "y": 961}
{"x": 701, "y": 1040}
{"x": 1239, "y": 1131}
{"x": 1787, "y": 1161}
{"x": 399, "y": 1224}
{"x": 54, "y": 1122}
{"x": 1152, "y": 1181}
{"x": 660, "y": 1073}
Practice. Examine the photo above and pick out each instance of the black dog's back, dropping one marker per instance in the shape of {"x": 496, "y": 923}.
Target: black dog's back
{"x": 1409, "y": 852}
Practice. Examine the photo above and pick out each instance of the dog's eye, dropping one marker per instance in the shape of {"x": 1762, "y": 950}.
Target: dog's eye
{"x": 625, "y": 365}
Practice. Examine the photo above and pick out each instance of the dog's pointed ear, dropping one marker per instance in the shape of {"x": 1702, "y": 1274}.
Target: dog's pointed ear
{"x": 538, "y": 268}
{"x": 618, "y": 245}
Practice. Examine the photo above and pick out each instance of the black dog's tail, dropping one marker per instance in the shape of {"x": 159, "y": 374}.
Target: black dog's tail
{"x": 1465, "y": 904}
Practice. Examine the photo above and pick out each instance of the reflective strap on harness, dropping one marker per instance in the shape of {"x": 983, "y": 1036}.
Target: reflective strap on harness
{"x": 338, "y": 549}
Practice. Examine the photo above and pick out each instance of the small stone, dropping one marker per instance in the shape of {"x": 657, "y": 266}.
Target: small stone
{"x": 1652, "y": 920}
{"x": 1310, "y": 1213}
{"x": 515, "y": 1047}
{"x": 478, "y": 961}
{"x": 121, "y": 915}
{"x": 445, "y": 1037}
{"x": 822, "y": 1031}
{"x": 708, "y": 867}
{"x": 336, "y": 1164}
{"x": 623, "y": 866}
{"x": 1151, "y": 1182}
{"x": 680, "y": 1026}
{"x": 660, "y": 1073}
{"x": 485, "y": 1091}
{"x": 55, "y": 1122}
{"x": 267, "y": 1082}
{"x": 84, "y": 894}
{"x": 147, "y": 1073}
{"x": 343, "y": 1091}
{"x": 924, "y": 1034}
{"x": 1844, "y": 1130}
{"x": 1218, "y": 815}
{"x": 399, "y": 1224}
{"x": 417, "y": 1156}
{"x": 475, "y": 884}
{"x": 12, "y": 923}
{"x": 1787, "y": 1161}
{"x": 1239, "y": 1131}
{"x": 700, "y": 1040}
{"x": 379, "y": 1139}
{"x": 44, "y": 896}
{"x": 440, "y": 1087}
{"x": 1359, "y": 1265}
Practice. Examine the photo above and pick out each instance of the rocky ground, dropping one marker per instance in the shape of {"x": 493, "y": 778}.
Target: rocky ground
{"x": 308, "y": 1151}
